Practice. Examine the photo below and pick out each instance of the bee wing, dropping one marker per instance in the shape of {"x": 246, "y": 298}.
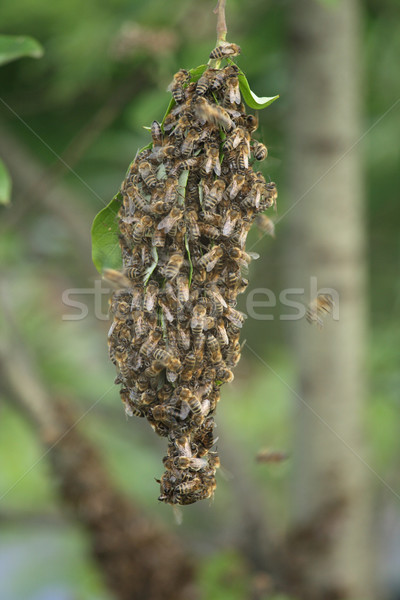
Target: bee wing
{"x": 212, "y": 264}
{"x": 185, "y": 410}
{"x": 217, "y": 167}
{"x": 253, "y": 255}
{"x": 228, "y": 227}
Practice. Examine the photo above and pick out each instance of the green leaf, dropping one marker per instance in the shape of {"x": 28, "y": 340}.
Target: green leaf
{"x": 169, "y": 108}
{"x": 182, "y": 182}
{"x": 196, "y": 73}
{"x": 151, "y": 268}
{"x": 251, "y": 99}
{"x": 13, "y": 47}
{"x": 106, "y": 253}
{"x": 5, "y": 184}
{"x": 189, "y": 259}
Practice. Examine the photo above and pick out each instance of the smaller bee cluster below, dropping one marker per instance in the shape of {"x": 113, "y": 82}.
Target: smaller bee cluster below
{"x": 187, "y": 205}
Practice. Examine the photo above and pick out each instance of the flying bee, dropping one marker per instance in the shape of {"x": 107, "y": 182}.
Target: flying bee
{"x": 235, "y": 316}
{"x": 260, "y": 152}
{"x": 213, "y": 114}
{"x": 182, "y": 283}
{"x": 236, "y": 185}
{"x": 146, "y": 173}
{"x": 232, "y": 93}
{"x": 225, "y": 50}
{"x": 156, "y": 133}
{"x": 140, "y": 229}
{"x": 150, "y": 295}
{"x": 215, "y": 350}
{"x": 232, "y": 217}
{"x": 210, "y": 259}
{"x": 176, "y": 87}
{"x": 148, "y": 347}
{"x": 265, "y": 225}
{"x": 198, "y": 319}
{"x": 189, "y": 142}
{"x": 173, "y": 217}
{"x": 241, "y": 257}
{"x": 271, "y": 456}
{"x": 192, "y": 223}
{"x": 117, "y": 278}
{"x": 174, "y": 265}
{"x": 214, "y": 195}
{"x": 211, "y": 162}
{"x": 322, "y": 305}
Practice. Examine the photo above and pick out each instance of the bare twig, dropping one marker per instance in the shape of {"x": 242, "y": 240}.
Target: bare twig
{"x": 221, "y": 21}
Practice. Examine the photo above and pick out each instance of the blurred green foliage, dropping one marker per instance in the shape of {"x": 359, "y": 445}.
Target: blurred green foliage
{"x": 92, "y": 50}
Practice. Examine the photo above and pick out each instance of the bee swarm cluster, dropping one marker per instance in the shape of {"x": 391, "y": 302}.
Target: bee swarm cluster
{"x": 187, "y": 205}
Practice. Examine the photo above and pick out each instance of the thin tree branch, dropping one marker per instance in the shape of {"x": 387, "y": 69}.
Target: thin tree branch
{"x": 219, "y": 10}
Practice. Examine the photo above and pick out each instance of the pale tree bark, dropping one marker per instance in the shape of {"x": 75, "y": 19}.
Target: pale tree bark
{"x": 330, "y": 540}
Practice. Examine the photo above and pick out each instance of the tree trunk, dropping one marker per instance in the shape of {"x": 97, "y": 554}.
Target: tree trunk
{"x": 330, "y": 536}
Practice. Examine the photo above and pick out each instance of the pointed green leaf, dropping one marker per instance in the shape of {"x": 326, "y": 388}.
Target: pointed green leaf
{"x": 5, "y": 184}
{"x": 251, "y": 99}
{"x": 182, "y": 182}
{"x": 169, "y": 108}
{"x": 106, "y": 253}
{"x": 18, "y": 46}
{"x": 196, "y": 73}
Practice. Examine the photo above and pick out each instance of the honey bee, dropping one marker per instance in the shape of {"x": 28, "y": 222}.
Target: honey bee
{"x": 165, "y": 393}
{"x": 189, "y": 142}
{"x": 265, "y": 224}
{"x": 130, "y": 408}
{"x": 241, "y": 257}
{"x": 139, "y": 201}
{"x": 231, "y": 219}
{"x": 189, "y": 367}
{"x": 210, "y": 259}
{"x": 138, "y": 323}
{"x": 161, "y": 153}
{"x": 187, "y": 462}
{"x": 252, "y": 123}
{"x": 146, "y": 173}
{"x": 121, "y": 310}
{"x": 150, "y": 296}
{"x": 187, "y": 486}
{"x": 214, "y": 195}
{"x": 271, "y": 456}
{"x": 205, "y": 81}
{"x": 218, "y": 301}
{"x": 235, "y": 316}
{"x": 176, "y": 87}
{"x": 225, "y": 375}
{"x": 225, "y": 50}
{"x": 182, "y": 283}
{"x": 260, "y": 152}
{"x": 211, "y": 162}
{"x": 232, "y": 94}
{"x": 236, "y": 185}
{"x": 174, "y": 265}
{"x": 183, "y": 123}
{"x": 243, "y": 158}
{"x": 170, "y": 190}
{"x": 154, "y": 369}
{"x": 322, "y": 305}
{"x": 156, "y": 133}
{"x": 166, "y": 414}
{"x": 170, "y": 362}
{"x": 173, "y": 217}
{"x": 213, "y": 114}
{"x": 148, "y": 347}
{"x": 147, "y": 397}
{"x": 140, "y": 229}
{"x": 183, "y": 338}
{"x": 222, "y": 334}
{"x": 197, "y": 321}
{"x": 193, "y": 226}
{"x": 215, "y": 350}
{"x": 158, "y": 239}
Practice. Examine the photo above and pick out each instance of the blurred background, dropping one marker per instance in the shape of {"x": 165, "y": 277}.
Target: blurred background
{"x": 320, "y": 518}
